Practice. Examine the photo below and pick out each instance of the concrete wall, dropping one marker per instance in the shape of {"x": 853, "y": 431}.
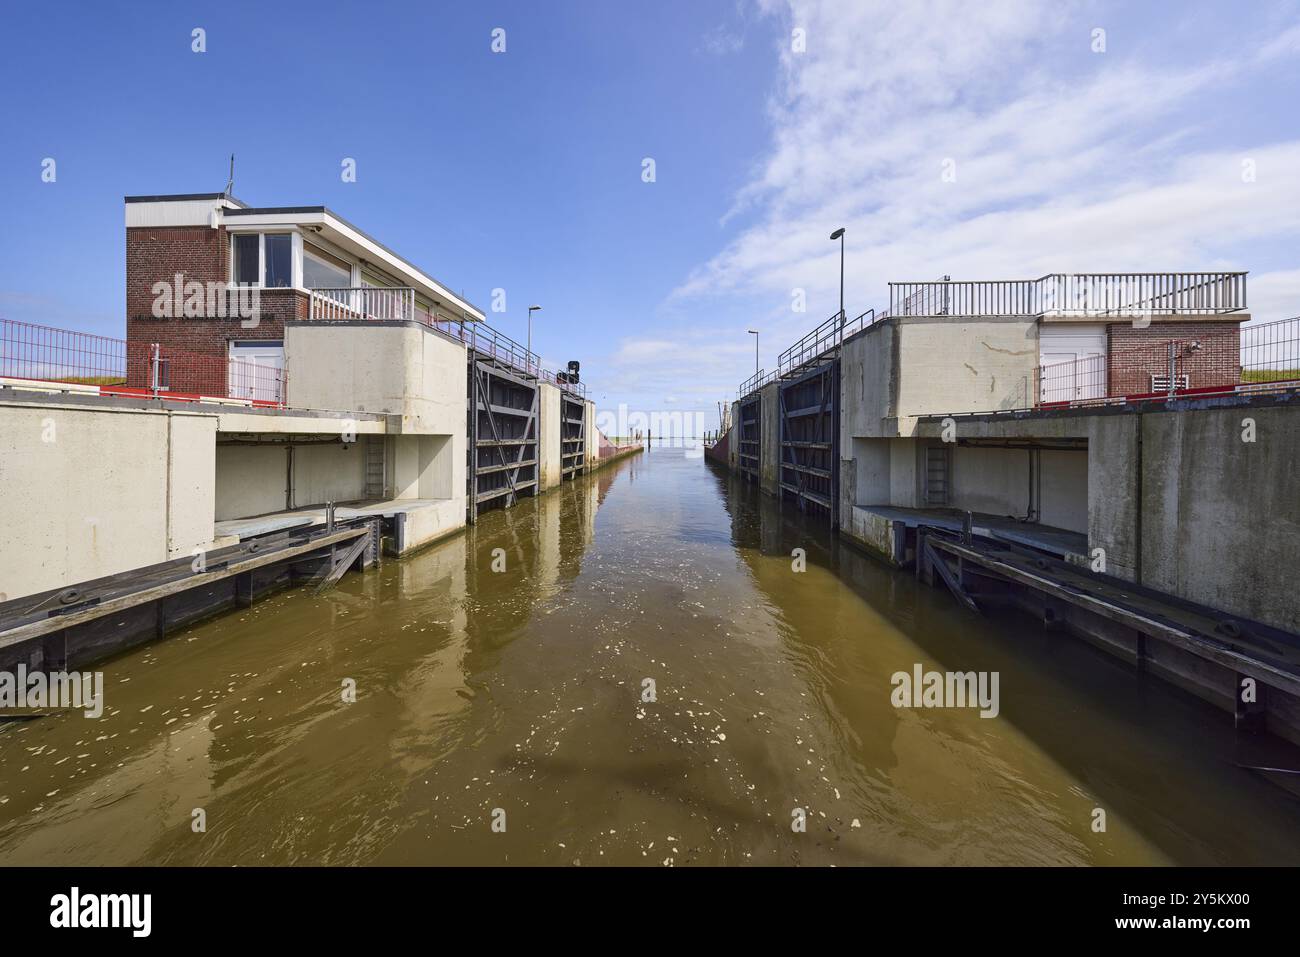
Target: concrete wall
{"x": 905, "y": 471}
{"x": 990, "y": 480}
{"x": 251, "y": 480}
{"x": 997, "y": 481}
{"x": 1113, "y": 496}
{"x": 882, "y": 471}
{"x": 866, "y": 377}
{"x": 769, "y": 438}
{"x": 424, "y": 466}
{"x": 906, "y": 367}
{"x": 869, "y": 468}
{"x": 254, "y": 479}
{"x": 946, "y": 365}
{"x": 1220, "y": 517}
{"x": 92, "y": 492}
{"x": 416, "y": 377}
{"x": 397, "y": 368}
{"x": 548, "y": 437}
{"x": 1178, "y": 501}
{"x": 1064, "y": 490}
{"x": 591, "y": 443}
{"x": 331, "y": 472}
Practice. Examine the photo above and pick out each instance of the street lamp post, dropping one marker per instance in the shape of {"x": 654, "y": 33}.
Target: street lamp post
{"x": 531, "y": 310}
{"x": 754, "y": 333}
{"x": 839, "y": 234}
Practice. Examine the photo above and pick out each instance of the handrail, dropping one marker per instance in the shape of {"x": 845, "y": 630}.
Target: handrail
{"x": 823, "y": 339}
{"x": 1074, "y": 294}
{"x": 363, "y": 302}
{"x": 754, "y": 383}
{"x": 827, "y": 336}
{"x": 384, "y": 303}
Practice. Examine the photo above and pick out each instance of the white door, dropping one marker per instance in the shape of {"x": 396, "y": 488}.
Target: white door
{"x": 1073, "y": 360}
{"x": 257, "y": 371}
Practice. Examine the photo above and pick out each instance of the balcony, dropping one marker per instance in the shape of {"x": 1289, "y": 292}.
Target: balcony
{"x": 397, "y": 303}
{"x": 351, "y": 303}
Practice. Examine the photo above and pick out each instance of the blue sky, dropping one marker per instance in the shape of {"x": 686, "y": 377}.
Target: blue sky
{"x": 522, "y": 170}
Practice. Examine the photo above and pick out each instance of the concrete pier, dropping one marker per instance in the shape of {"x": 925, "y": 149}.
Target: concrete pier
{"x": 944, "y": 425}
{"x": 378, "y": 420}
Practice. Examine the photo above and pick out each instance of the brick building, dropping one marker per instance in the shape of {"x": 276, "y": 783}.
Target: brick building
{"x": 210, "y": 279}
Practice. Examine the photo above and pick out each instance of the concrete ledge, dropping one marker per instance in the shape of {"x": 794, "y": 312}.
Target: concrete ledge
{"x": 425, "y": 520}
{"x": 1153, "y": 406}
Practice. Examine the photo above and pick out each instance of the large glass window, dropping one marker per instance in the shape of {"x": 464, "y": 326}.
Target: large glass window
{"x": 247, "y": 270}
{"x": 279, "y": 260}
{"x": 320, "y": 270}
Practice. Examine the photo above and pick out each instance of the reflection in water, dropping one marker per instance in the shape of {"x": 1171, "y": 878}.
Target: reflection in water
{"x": 521, "y": 690}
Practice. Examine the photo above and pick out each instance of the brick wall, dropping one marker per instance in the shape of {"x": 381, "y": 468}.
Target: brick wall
{"x": 1137, "y": 354}
{"x": 196, "y": 346}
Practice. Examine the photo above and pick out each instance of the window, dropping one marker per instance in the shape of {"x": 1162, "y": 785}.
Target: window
{"x": 247, "y": 256}
{"x": 279, "y": 260}
{"x": 262, "y": 259}
{"x": 320, "y": 270}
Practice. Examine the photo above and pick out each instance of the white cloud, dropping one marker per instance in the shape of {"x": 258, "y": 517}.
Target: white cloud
{"x": 1054, "y": 172}
{"x": 720, "y": 42}
{"x": 1274, "y": 295}
{"x": 1065, "y": 161}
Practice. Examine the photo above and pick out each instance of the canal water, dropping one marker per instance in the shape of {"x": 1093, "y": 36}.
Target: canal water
{"x": 500, "y": 678}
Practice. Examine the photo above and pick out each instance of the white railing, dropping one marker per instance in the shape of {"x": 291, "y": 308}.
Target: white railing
{"x": 363, "y": 302}
{"x": 1137, "y": 294}
{"x": 1075, "y": 294}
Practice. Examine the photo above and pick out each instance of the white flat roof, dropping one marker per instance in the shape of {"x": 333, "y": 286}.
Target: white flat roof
{"x": 211, "y": 209}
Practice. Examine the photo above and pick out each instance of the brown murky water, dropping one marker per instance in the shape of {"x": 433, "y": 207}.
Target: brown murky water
{"x": 521, "y": 691}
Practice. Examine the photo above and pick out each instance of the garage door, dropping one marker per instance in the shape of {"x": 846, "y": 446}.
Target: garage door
{"x": 1073, "y": 360}
{"x": 257, "y": 371}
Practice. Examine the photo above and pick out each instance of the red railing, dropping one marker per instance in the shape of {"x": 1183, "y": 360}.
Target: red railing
{"x": 181, "y": 375}
{"x": 121, "y": 367}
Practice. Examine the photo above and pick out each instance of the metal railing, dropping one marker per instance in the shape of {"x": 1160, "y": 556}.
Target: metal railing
{"x": 829, "y": 335}
{"x": 1074, "y": 294}
{"x": 754, "y": 383}
{"x": 113, "y": 366}
{"x": 825, "y": 338}
{"x": 363, "y": 302}
{"x": 1270, "y": 352}
{"x": 46, "y": 354}
{"x": 1136, "y": 294}
{"x": 1261, "y": 358}
{"x": 398, "y": 302}
{"x": 185, "y": 376}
